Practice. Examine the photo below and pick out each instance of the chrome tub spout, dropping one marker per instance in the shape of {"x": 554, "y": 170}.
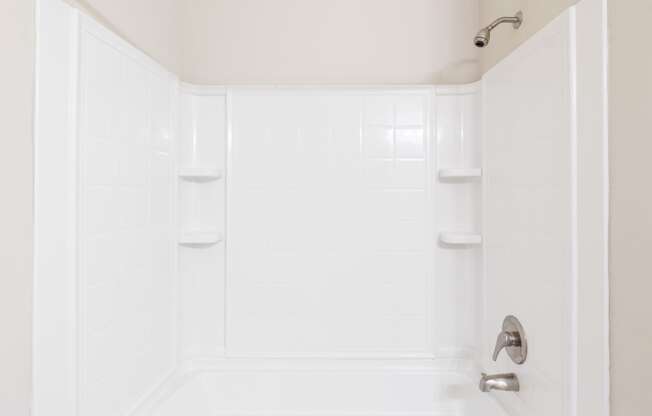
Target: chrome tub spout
{"x": 499, "y": 382}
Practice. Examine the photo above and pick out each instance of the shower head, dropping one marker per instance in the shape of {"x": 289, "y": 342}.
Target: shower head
{"x": 483, "y": 37}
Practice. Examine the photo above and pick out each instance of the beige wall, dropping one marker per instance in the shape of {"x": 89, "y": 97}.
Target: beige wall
{"x": 330, "y": 41}
{"x": 151, "y": 25}
{"x": 631, "y": 206}
{"x": 301, "y": 41}
{"x": 16, "y": 102}
{"x": 537, "y": 13}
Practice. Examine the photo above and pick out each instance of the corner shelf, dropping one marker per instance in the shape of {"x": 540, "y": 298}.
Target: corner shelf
{"x": 460, "y": 173}
{"x": 460, "y": 239}
{"x": 200, "y": 174}
{"x": 200, "y": 237}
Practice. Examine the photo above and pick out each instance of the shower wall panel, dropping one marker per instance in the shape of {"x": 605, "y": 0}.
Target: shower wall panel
{"x": 458, "y": 211}
{"x": 330, "y": 224}
{"x": 127, "y": 284}
{"x": 202, "y": 159}
{"x": 545, "y": 214}
{"x": 529, "y": 238}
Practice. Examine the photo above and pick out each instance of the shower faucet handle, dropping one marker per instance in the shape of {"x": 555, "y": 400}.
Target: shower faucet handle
{"x": 512, "y": 339}
{"x": 506, "y": 339}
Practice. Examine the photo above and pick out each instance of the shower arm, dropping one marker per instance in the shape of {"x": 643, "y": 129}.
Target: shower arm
{"x": 514, "y": 20}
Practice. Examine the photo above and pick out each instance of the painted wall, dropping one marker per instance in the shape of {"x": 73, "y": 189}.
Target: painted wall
{"x": 537, "y": 14}
{"x": 16, "y": 102}
{"x": 151, "y": 25}
{"x": 631, "y": 206}
{"x": 308, "y": 41}
{"x": 329, "y": 42}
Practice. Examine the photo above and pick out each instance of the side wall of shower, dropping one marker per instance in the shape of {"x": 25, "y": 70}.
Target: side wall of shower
{"x": 106, "y": 287}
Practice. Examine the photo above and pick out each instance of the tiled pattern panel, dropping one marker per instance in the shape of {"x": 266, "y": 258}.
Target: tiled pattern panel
{"x": 458, "y": 209}
{"x": 458, "y": 127}
{"x": 330, "y": 235}
{"x": 127, "y": 315}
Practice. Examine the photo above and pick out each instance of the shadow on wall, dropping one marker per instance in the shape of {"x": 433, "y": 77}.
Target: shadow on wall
{"x": 459, "y": 72}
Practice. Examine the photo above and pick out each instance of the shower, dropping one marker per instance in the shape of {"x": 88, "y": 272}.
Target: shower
{"x": 321, "y": 249}
{"x": 483, "y": 37}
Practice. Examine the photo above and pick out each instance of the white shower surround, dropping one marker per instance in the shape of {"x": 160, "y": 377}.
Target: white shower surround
{"x": 418, "y": 156}
{"x": 368, "y": 165}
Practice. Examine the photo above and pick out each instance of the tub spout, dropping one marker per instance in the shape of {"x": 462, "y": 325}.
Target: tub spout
{"x": 500, "y": 382}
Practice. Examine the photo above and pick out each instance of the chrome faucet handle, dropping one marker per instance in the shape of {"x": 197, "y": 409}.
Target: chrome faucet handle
{"x": 506, "y": 339}
{"x": 512, "y": 339}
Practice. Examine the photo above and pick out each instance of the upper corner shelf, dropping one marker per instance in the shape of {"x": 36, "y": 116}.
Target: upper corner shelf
{"x": 200, "y": 174}
{"x": 460, "y": 173}
{"x": 460, "y": 239}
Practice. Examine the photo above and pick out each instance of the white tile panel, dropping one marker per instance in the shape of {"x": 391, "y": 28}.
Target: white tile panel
{"x": 127, "y": 309}
{"x": 319, "y": 196}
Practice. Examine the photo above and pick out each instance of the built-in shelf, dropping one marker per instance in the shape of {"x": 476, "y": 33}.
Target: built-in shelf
{"x": 200, "y": 174}
{"x": 200, "y": 237}
{"x": 460, "y": 239}
{"x": 460, "y": 173}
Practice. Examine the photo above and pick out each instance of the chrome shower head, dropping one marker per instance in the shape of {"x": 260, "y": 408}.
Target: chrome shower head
{"x": 483, "y": 37}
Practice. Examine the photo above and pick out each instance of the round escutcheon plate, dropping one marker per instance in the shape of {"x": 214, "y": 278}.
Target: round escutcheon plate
{"x": 517, "y": 353}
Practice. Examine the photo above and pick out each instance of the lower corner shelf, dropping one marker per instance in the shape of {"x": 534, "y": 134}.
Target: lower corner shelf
{"x": 200, "y": 237}
{"x": 200, "y": 174}
{"x": 460, "y": 239}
